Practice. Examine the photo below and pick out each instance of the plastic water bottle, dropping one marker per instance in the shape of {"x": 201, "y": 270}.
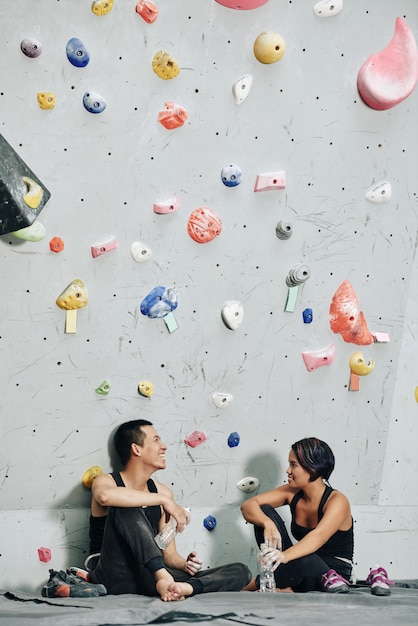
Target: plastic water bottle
{"x": 267, "y": 580}
{"x": 168, "y": 533}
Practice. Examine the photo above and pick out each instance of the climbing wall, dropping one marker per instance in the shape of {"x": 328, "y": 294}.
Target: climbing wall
{"x": 204, "y": 210}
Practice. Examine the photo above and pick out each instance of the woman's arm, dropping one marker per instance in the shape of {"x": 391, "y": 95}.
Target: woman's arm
{"x": 251, "y": 510}
{"x": 337, "y": 516}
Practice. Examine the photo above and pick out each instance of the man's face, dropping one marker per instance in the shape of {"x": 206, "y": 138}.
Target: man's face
{"x": 153, "y": 449}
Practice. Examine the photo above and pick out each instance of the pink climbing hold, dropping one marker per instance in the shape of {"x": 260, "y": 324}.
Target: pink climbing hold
{"x": 242, "y": 4}
{"x": 390, "y": 76}
{"x": 195, "y": 438}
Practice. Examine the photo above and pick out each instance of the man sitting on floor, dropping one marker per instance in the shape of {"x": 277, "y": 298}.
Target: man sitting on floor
{"x": 132, "y": 508}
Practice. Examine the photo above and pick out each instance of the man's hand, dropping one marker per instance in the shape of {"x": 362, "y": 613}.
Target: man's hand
{"x": 193, "y": 564}
{"x": 180, "y": 514}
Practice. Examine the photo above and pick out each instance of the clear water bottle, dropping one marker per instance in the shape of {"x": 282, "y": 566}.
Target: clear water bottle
{"x": 168, "y": 533}
{"x": 267, "y": 580}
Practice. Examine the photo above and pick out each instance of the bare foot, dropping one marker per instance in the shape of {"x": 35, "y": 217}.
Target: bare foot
{"x": 170, "y": 591}
{"x": 285, "y": 590}
{"x": 251, "y": 586}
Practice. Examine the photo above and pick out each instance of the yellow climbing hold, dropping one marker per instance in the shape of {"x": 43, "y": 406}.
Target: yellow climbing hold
{"x": 34, "y": 193}
{"x": 46, "y": 99}
{"x": 75, "y": 296}
{"x": 269, "y": 47}
{"x": 102, "y": 7}
{"x": 90, "y": 474}
{"x": 164, "y": 65}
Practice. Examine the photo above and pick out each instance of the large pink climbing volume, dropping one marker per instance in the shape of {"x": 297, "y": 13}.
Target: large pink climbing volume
{"x": 390, "y": 76}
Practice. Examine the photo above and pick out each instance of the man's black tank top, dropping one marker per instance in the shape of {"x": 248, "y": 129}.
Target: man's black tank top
{"x": 97, "y": 524}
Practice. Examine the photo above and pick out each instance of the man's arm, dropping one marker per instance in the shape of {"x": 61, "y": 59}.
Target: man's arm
{"x": 106, "y": 493}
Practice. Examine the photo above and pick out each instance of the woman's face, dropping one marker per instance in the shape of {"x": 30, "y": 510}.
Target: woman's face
{"x": 297, "y": 476}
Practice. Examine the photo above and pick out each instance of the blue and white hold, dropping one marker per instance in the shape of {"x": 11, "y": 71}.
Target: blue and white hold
{"x": 231, "y": 175}
{"x": 159, "y": 302}
{"x": 77, "y": 53}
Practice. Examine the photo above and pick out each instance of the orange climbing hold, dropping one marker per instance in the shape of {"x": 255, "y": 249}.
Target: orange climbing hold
{"x": 346, "y": 318}
{"x": 56, "y": 244}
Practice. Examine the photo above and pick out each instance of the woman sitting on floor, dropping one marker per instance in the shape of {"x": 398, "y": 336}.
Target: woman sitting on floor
{"x": 322, "y": 523}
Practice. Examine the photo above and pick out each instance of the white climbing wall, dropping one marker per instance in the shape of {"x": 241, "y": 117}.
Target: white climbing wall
{"x": 303, "y": 116}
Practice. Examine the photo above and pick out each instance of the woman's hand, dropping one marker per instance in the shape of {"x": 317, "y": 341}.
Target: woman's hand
{"x": 272, "y": 536}
{"x": 193, "y": 564}
{"x": 273, "y": 558}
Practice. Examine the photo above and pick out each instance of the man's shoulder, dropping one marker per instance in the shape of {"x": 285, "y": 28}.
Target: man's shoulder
{"x": 161, "y": 488}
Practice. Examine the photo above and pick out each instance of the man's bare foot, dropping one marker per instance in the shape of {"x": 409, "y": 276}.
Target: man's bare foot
{"x": 178, "y": 591}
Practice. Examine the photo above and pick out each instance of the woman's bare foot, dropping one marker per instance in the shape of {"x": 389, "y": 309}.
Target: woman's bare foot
{"x": 251, "y": 586}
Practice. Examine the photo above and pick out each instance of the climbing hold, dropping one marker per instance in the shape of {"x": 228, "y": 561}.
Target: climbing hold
{"x": 297, "y": 275}
{"x": 44, "y": 554}
{"x": 270, "y": 181}
{"x": 104, "y": 247}
{"x": 382, "y": 192}
{"x": 147, "y": 10}
{"x": 307, "y": 316}
{"x": 381, "y": 337}
{"x": 74, "y": 296}
{"x": 77, "y": 53}
{"x": 242, "y": 5}
{"x": 233, "y": 440}
{"x": 195, "y": 438}
{"x": 104, "y": 388}
{"x": 56, "y": 244}
{"x": 346, "y": 318}
{"x": 90, "y": 474}
{"x": 269, "y": 47}
{"x": 159, "y": 302}
{"x": 34, "y": 232}
{"x": 231, "y": 175}
{"x": 385, "y": 79}
{"x": 94, "y": 102}
{"x": 209, "y": 522}
{"x": 222, "y": 400}
{"x": 172, "y": 116}
{"x": 248, "y": 484}
{"x": 241, "y": 88}
{"x": 284, "y": 230}
{"x": 102, "y": 7}
{"x": 204, "y": 225}
{"x": 316, "y": 359}
{"x": 34, "y": 193}
{"x": 46, "y": 100}
{"x": 232, "y": 314}
{"x": 164, "y": 65}
{"x": 21, "y": 200}
{"x": 31, "y": 48}
{"x": 327, "y": 8}
{"x": 416, "y": 394}
{"x": 145, "y": 388}
{"x": 140, "y": 252}
{"x": 359, "y": 366}
{"x": 167, "y": 206}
